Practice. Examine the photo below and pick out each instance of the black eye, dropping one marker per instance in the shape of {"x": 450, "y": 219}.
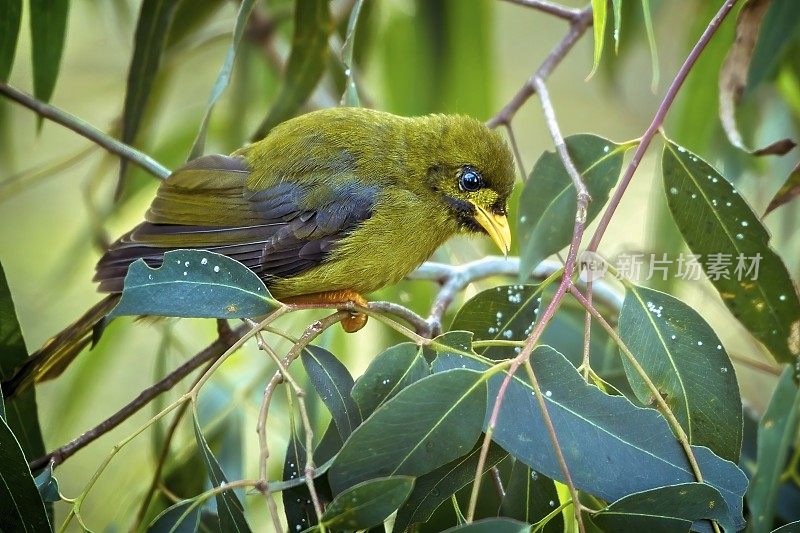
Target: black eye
{"x": 470, "y": 181}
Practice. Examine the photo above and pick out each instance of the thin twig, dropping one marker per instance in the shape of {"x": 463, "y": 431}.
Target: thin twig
{"x": 658, "y": 120}
{"x": 586, "y": 365}
{"x": 517, "y": 154}
{"x": 211, "y": 352}
{"x": 550, "y": 8}
{"x": 85, "y": 129}
{"x": 580, "y": 24}
{"x": 558, "y": 139}
{"x": 551, "y": 431}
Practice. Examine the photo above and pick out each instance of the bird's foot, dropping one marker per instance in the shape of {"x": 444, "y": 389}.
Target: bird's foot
{"x": 346, "y": 298}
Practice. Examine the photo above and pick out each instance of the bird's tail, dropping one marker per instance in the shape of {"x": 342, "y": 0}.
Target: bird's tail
{"x": 58, "y": 352}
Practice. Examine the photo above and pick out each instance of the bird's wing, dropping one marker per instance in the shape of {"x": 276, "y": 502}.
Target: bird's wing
{"x": 279, "y": 231}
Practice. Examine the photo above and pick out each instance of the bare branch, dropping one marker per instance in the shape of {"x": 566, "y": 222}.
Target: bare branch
{"x": 580, "y": 24}
{"x": 212, "y": 352}
{"x": 550, "y": 8}
{"x": 86, "y": 130}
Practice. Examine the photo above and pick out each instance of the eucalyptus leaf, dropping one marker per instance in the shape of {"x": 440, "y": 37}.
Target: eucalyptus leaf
{"x": 368, "y": 503}
{"x": 428, "y": 424}
{"x": 434, "y": 488}
{"x": 47, "y": 485}
{"x": 229, "y": 508}
{"x": 788, "y": 191}
{"x": 149, "y": 42}
{"x": 503, "y": 313}
{"x": 10, "y": 19}
{"x": 548, "y": 201}
{"x": 390, "y": 372}
{"x": 48, "y": 21}
{"x": 599, "y": 14}
{"x": 718, "y": 225}
{"x": 685, "y": 359}
{"x": 224, "y": 76}
{"x": 21, "y": 505}
{"x": 21, "y": 413}
{"x": 492, "y": 525}
{"x": 350, "y": 96}
{"x": 194, "y": 283}
{"x": 312, "y": 27}
{"x": 333, "y": 383}
{"x": 671, "y": 508}
{"x": 530, "y": 497}
{"x": 777, "y": 431}
{"x": 613, "y": 448}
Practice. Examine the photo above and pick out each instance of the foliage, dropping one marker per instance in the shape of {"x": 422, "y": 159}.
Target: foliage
{"x": 550, "y": 402}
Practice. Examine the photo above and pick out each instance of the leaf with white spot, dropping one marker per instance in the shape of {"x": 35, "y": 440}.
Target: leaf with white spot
{"x": 507, "y": 312}
{"x": 612, "y": 447}
{"x": 685, "y": 360}
{"x": 390, "y": 372}
{"x": 194, "y": 283}
{"x": 717, "y": 224}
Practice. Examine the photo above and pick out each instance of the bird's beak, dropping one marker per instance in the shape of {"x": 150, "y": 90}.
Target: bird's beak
{"x": 496, "y": 226}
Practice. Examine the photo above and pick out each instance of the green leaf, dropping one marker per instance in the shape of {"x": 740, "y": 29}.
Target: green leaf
{"x": 194, "y": 283}
{"x": 717, "y": 223}
{"x": 47, "y": 485}
{"x": 178, "y": 518}
{"x": 21, "y": 506}
{"x": 434, "y": 488}
{"x": 793, "y": 527}
{"x": 389, "y": 373}
{"x": 149, "y": 42}
{"x": 48, "y": 20}
{"x": 651, "y": 41}
{"x": 350, "y": 96}
{"x": 613, "y": 448}
{"x": 616, "y": 5}
{"x": 333, "y": 383}
{"x": 599, "y": 14}
{"x": 776, "y": 435}
{"x": 509, "y": 311}
{"x": 312, "y": 27}
{"x": 685, "y": 359}
{"x": 21, "y": 413}
{"x": 367, "y": 504}
{"x": 788, "y": 191}
{"x": 780, "y": 28}
{"x": 530, "y": 497}
{"x": 224, "y": 76}
{"x": 672, "y": 508}
{"x": 492, "y": 525}
{"x": 229, "y": 508}
{"x": 10, "y": 18}
{"x": 548, "y": 201}
{"x": 428, "y": 424}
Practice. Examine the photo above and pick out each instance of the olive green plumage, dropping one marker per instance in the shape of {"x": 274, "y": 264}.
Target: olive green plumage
{"x": 338, "y": 199}
{"x": 342, "y": 198}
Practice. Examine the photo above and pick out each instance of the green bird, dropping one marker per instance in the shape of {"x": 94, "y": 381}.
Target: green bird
{"x": 330, "y": 206}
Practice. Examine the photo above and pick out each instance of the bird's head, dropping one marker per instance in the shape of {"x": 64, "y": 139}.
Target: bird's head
{"x": 471, "y": 171}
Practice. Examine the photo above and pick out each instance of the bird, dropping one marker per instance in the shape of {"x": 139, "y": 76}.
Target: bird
{"x": 328, "y": 207}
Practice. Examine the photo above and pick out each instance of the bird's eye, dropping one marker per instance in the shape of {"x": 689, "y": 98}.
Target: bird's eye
{"x": 470, "y": 181}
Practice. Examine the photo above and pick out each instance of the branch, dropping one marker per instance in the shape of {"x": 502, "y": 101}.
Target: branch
{"x": 86, "y": 130}
{"x": 580, "y": 23}
{"x": 211, "y": 352}
{"x": 550, "y": 8}
{"x": 658, "y": 120}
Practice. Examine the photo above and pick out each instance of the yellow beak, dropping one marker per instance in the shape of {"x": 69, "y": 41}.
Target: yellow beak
{"x": 496, "y": 226}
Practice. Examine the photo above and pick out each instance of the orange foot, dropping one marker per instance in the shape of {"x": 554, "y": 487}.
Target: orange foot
{"x": 352, "y": 323}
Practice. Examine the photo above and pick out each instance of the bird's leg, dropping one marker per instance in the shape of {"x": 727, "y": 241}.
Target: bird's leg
{"x": 347, "y": 297}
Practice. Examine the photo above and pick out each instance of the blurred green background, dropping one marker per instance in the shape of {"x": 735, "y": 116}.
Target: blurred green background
{"x": 413, "y": 57}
